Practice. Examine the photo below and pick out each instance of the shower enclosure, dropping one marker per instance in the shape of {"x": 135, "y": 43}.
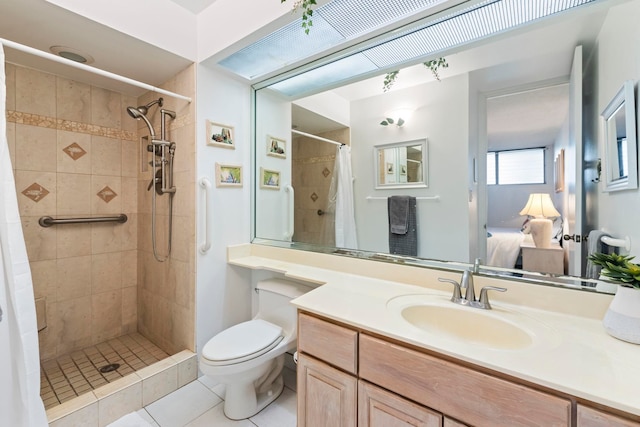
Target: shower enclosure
{"x": 105, "y": 305}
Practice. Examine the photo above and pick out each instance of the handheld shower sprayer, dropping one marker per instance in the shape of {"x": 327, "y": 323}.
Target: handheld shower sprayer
{"x": 162, "y": 177}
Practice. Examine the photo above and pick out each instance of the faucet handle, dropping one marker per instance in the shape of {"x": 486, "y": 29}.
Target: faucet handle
{"x": 457, "y": 296}
{"x": 483, "y": 302}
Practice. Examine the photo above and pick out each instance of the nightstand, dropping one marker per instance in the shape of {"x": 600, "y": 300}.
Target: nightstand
{"x": 543, "y": 260}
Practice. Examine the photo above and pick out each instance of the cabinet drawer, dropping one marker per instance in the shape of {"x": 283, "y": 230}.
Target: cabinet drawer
{"x": 472, "y": 397}
{"x": 331, "y": 343}
{"x": 588, "y": 417}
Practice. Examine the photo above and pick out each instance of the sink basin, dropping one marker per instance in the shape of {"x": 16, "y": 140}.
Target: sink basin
{"x": 497, "y": 329}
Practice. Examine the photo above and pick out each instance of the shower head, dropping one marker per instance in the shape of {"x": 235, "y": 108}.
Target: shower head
{"x": 143, "y": 109}
{"x": 139, "y": 113}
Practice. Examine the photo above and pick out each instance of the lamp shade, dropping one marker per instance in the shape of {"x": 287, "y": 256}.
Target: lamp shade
{"x": 540, "y": 205}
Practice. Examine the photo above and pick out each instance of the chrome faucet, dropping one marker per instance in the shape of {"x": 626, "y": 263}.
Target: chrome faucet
{"x": 466, "y": 284}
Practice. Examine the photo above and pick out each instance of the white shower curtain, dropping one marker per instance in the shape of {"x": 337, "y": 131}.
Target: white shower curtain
{"x": 20, "y": 403}
{"x": 345, "y": 212}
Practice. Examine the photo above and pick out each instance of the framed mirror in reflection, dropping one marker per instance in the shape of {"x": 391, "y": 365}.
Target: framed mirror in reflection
{"x": 619, "y": 124}
{"x": 401, "y": 165}
{"x": 455, "y": 111}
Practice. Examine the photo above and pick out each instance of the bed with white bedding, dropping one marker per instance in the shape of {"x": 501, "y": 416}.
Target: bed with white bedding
{"x": 503, "y": 246}
{"x": 504, "y": 243}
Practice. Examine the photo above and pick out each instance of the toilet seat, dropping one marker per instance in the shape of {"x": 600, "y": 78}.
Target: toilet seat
{"x": 242, "y": 342}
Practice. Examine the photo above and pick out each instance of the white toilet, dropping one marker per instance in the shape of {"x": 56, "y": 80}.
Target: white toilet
{"x": 248, "y": 358}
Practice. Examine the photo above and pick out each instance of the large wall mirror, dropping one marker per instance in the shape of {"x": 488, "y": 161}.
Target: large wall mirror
{"x": 619, "y": 130}
{"x": 507, "y": 92}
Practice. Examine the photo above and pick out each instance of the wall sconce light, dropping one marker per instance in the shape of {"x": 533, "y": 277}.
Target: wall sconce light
{"x": 540, "y": 207}
{"x": 398, "y": 117}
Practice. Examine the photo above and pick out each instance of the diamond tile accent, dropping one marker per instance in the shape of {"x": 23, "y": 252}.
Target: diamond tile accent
{"x": 35, "y": 192}
{"x": 314, "y": 196}
{"x": 326, "y": 172}
{"x": 74, "y": 151}
{"x": 107, "y": 194}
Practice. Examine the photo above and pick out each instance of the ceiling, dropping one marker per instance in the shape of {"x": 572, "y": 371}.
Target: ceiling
{"x": 195, "y": 6}
{"x": 528, "y": 116}
{"x": 40, "y": 25}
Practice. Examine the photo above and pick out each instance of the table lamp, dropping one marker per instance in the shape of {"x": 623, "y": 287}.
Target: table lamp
{"x": 540, "y": 208}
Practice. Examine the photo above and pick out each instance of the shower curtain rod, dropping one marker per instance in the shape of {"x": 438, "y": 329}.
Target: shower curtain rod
{"x": 90, "y": 69}
{"x": 316, "y": 137}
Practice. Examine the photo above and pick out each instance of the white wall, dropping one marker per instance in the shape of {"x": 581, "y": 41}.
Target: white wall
{"x": 272, "y": 206}
{"x": 223, "y": 292}
{"x": 618, "y": 60}
{"x": 441, "y": 116}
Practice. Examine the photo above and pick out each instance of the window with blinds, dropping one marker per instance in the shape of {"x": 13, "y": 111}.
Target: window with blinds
{"x": 515, "y": 167}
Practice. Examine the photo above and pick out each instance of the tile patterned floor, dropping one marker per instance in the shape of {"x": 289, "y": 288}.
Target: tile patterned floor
{"x": 200, "y": 404}
{"x": 71, "y": 375}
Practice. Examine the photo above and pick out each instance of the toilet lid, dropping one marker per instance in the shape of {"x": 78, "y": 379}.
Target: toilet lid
{"x": 243, "y": 341}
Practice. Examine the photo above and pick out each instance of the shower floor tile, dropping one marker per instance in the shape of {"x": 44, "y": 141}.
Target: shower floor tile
{"x": 73, "y": 374}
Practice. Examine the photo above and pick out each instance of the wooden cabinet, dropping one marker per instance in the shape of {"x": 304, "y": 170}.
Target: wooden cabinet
{"x": 327, "y": 397}
{"x": 351, "y": 378}
{"x": 448, "y": 422}
{"x": 589, "y": 417}
{"x": 379, "y": 408}
{"x": 467, "y": 395}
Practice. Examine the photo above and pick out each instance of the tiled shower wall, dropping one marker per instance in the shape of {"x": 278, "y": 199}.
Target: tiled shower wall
{"x": 312, "y": 169}
{"x": 76, "y": 152}
{"x": 166, "y": 292}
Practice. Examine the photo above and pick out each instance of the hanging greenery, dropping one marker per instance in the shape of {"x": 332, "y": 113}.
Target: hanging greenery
{"x": 389, "y": 80}
{"x": 307, "y": 12}
{"x": 434, "y": 65}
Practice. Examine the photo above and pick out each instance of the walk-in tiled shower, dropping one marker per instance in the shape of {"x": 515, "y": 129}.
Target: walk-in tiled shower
{"x": 69, "y": 376}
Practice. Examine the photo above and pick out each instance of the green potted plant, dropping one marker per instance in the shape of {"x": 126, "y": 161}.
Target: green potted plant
{"x": 618, "y": 268}
{"x": 622, "y": 319}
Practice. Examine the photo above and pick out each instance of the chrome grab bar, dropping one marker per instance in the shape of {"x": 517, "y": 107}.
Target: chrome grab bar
{"x": 47, "y": 221}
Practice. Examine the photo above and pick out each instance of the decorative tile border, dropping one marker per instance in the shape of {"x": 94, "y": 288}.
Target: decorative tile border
{"x": 68, "y": 125}
{"x": 310, "y": 160}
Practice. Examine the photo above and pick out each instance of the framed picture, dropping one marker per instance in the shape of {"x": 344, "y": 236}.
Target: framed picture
{"x": 276, "y": 147}
{"x": 228, "y": 175}
{"x": 559, "y": 175}
{"x": 219, "y": 135}
{"x": 269, "y": 179}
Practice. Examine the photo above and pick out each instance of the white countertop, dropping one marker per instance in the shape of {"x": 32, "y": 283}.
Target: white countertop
{"x": 581, "y": 360}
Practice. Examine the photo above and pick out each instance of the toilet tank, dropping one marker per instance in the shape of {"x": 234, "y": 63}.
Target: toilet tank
{"x": 274, "y": 301}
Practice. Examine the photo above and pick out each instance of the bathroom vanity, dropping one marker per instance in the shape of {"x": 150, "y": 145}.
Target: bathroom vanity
{"x": 350, "y": 377}
{"x": 371, "y": 355}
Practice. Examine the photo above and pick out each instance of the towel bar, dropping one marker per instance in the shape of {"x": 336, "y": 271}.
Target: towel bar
{"x": 417, "y": 198}
{"x": 618, "y": 243}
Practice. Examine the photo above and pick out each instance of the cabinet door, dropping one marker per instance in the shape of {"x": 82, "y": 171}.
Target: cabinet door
{"x": 448, "y": 422}
{"x": 588, "y": 417}
{"x": 326, "y": 396}
{"x": 379, "y": 408}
